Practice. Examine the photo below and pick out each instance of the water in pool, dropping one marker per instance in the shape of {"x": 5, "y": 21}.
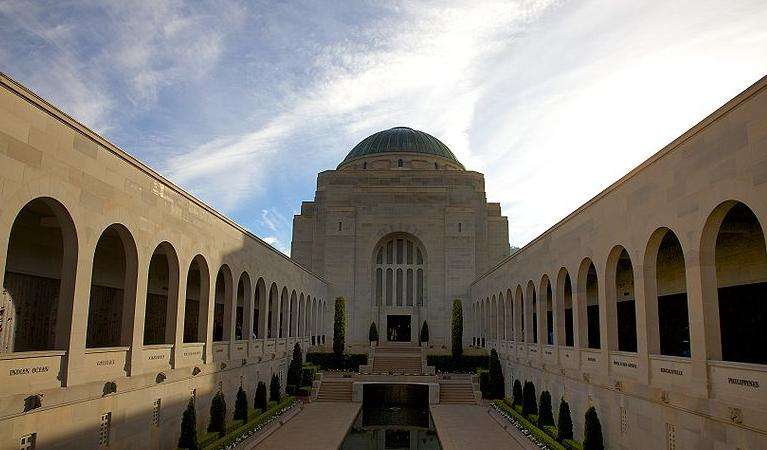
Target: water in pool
{"x": 386, "y": 421}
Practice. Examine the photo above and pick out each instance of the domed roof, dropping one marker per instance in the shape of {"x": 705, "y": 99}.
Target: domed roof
{"x": 400, "y": 139}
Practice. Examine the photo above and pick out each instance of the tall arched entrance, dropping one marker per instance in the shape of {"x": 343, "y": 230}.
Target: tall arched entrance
{"x": 399, "y": 294}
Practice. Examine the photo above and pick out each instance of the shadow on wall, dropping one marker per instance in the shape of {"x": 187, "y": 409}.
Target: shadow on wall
{"x": 162, "y": 323}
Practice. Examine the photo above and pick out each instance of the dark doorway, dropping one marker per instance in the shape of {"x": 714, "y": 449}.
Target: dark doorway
{"x": 398, "y": 328}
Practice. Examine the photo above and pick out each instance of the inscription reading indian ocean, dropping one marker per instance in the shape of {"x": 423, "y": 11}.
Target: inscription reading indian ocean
{"x": 27, "y": 370}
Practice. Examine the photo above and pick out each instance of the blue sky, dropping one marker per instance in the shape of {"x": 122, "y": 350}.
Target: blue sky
{"x": 242, "y": 103}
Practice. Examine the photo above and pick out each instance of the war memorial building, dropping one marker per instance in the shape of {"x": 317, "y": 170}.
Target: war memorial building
{"x": 123, "y": 294}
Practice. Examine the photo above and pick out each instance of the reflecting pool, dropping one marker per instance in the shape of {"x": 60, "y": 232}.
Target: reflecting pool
{"x": 393, "y": 417}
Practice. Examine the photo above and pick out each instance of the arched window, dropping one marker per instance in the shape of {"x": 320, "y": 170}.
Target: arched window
{"x": 113, "y": 287}
{"x": 398, "y": 272}
{"x": 735, "y": 284}
{"x": 39, "y": 278}
{"x": 399, "y": 163}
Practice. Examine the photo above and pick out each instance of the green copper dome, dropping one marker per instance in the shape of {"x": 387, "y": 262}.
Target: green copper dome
{"x": 400, "y": 139}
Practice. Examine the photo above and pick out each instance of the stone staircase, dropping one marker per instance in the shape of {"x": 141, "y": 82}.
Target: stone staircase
{"x": 459, "y": 390}
{"x": 335, "y": 390}
{"x": 398, "y": 359}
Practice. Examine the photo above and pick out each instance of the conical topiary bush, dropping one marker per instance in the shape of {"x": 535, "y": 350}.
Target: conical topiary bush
{"x": 516, "y": 393}
{"x": 218, "y": 414}
{"x": 545, "y": 414}
{"x": 592, "y": 431}
{"x": 564, "y": 421}
{"x": 241, "y": 406}
{"x": 456, "y": 325}
{"x": 261, "y": 403}
{"x": 274, "y": 389}
{"x": 188, "y": 437}
{"x": 424, "y": 336}
{"x": 529, "y": 405}
{"x": 495, "y": 376}
{"x": 294, "y": 370}
{"x": 373, "y": 333}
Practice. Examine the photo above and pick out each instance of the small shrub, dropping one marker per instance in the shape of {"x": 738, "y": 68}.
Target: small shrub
{"x": 516, "y": 394}
{"x": 592, "y": 431}
{"x": 188, "y": 437}
{"x": 484, "y": 382}
{"x": 241, "y": 406}
{"x": 331, "y": 361}
{"x": 218, "y": 414}
{"x": 564, "y": 421}
{"x": 294, "y": 370}
{"x": 373, "y": 333}
{"x": 307, "y": 374}
{"x": 545, "y": 414}
{"x": 457, "y": 329}
{"x": 528, "y": 399}
{"x": 496, "y": 387}
{"x": 339, "y": 327}
{"x": 463, "y": 364}
{"x": 261, "y": 403}
{"x": 274, "y": 389}
{"x": 424, "y": 337}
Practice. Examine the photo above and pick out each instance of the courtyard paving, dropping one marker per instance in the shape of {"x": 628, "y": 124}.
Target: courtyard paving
{"x": 320, "y": 426}
{"x": 461, "y": 427}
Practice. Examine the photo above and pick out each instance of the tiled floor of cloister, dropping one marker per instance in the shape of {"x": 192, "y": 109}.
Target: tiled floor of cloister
{"x": 320, "y": 426}
{"x": 461, "y": 427}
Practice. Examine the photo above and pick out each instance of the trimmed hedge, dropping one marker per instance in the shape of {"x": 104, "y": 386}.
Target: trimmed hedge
{"x": 331, "y": 361}
{"x": 535, "y": 431}
{"x": 463, "y": 364}
{"x": 212, "y": 441}
{"x": 307, "y": 374}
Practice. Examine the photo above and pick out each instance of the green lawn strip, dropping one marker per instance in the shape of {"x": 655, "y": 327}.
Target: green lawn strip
{"x": 237, "y": 429}
{"x": 539, "y": 434}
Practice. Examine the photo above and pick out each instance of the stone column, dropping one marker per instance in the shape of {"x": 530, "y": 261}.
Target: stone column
{"x": 642, "y": 323}
{"x": 175, "y": 323}
{"x": 138, "y": 314}
{"x": 74, "y": 300}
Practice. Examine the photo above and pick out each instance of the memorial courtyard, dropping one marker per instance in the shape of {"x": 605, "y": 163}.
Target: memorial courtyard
{"x": 383, "y": 225}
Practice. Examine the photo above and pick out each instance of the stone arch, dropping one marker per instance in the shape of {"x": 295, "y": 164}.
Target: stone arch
{"x": 243, "y": 306}
{"x": 532, "y": 313}
{"x": 621, "y": 301}
{"x": 293, "y": 316}
{"x": 161, "y": 295}
{"x": 668, "y": 323}
{"x": 547, "y": 308}
{"x": 40, "y": 269}
{"x": 519, "y": 323}
{"x": 273, "y": 308}
{"x": 113, "y": 289}
{"x": 301, "y": 315}
{"x": 399, "y": 276}
{"x": 588, "y": 305}
{"x": 196, "y": 297}
{"x": 261, "y": 309}
{"x": 510, "y": 315}
{"x": 493, "y": 318}
{"x": 734, "y": 284}
{"x": 501, "y": 317}
{"x": 284, "y": 311}
{"x": 222, "y": 315}
{"x": 565, "y": 311}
